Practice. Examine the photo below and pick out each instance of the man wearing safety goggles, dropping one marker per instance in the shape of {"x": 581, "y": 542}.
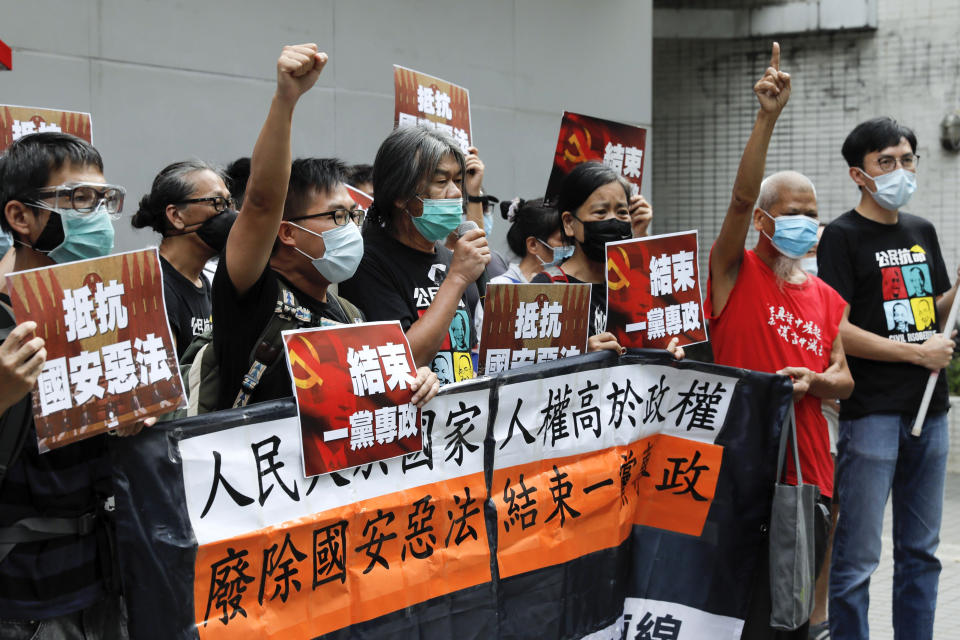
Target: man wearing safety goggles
{"x": 57, "y": 207}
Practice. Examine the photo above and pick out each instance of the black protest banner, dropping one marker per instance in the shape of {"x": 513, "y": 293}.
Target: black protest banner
{"x": 578, "y": 498}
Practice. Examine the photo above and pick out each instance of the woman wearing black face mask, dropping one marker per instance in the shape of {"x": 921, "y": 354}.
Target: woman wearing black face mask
{"x": 189, "y": 204}
{"x": 596, "y": 208}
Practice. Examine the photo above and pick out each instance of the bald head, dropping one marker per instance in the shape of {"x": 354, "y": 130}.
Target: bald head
{"x": 781, "y": 184}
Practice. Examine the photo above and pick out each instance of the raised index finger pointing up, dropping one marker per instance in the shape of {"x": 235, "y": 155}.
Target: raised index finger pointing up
{"x": 775, "y": 56}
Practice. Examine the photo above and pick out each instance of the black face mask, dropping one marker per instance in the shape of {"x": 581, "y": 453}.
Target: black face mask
{"x": 212, "y": 231}
{"x": 52, "y": 235}
{"x": 215, "y": 230}
{"x": 598, "y": 233}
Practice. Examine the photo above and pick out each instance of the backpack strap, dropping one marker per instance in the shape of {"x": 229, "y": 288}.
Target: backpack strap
{"x": 288, "y": 314}
{"x": 35, "y": 529}
{"x": 350, "y": 312}
{"x": 556, "y": 274}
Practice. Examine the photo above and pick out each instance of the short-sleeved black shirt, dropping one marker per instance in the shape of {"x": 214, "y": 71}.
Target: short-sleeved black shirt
{"x": 891, "y": 275}
{"x": 189, "y": 307}
{"x": 241, "y": 321}
{"x": 397, "y": 282}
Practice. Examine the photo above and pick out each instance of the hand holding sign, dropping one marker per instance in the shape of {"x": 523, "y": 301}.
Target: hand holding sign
{"x": 298, "y": 69}
{"x": 641, "y": 214}
{"x": 22, "y": 356}
{"x": 473, "y": 181}
{"x": 425, "y": 386}
{"x": 773, "y": 89}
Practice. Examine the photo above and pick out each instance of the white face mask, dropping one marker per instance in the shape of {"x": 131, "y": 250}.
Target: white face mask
{"x": 893, "y": 189}
{"x": 342, "y": 254}
{"x": 809, "y": 265}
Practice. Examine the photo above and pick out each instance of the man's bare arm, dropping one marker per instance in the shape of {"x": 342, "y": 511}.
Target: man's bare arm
{"x": 773, "y": 92}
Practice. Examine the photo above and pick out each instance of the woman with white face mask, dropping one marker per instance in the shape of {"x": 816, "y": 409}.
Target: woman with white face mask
{"x": 535, "y": 237}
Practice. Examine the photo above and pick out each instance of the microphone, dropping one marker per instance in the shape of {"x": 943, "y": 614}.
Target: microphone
{"x": 466, "y": 225}
{"x": 481, "y": 282}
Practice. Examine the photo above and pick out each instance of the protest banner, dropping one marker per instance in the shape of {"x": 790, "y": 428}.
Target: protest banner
{"x": 528, "y": 323}
{"x": 16, "y": 122}
{"x": 362, "y": 199}
{"x": 587, "y": 139}
{"x": 592, "y": 497}
{"x": 653, "y": 291}
{"x": 352, "y": 387}
{"x": 427, "y": 101}
{"x": 110, "y": 357}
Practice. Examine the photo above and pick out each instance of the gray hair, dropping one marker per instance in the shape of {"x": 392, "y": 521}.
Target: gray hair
{"x": 773, "y": 185}
{"x": 171, "y": 186}
{"x": 407, "y": 157}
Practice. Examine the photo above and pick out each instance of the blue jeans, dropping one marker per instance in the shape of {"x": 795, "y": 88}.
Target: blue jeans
{"x": 876, "y": 453}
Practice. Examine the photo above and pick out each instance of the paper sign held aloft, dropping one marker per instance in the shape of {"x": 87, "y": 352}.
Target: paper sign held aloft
{"x": 352, "y": 384}
{"x": 361, "y": 198}
{"x": 587, "y": 139}
{"x": 431, "y": 102}
{"x": 16, "y": 122}
{"x": 110, "y": 357}
{"x": 653, "y": 291}
{"x": 524, "y": 324}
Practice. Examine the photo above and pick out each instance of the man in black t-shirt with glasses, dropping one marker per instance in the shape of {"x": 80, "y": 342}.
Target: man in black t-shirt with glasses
{"x": 892, "y": 343}
{"x": 296, "y": 234}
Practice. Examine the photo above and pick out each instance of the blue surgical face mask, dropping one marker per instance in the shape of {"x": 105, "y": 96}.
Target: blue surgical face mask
{"x": 440, "y": 217}
{"x": 893, "y": 189}
{"x": 561, "y": 253}
{"x": 809, "y": 265}
{"x": 6, "y": 241}
{"x": 488, "y": 223}
{"x": 85, "y": 235}
{"x": 343, "y": 250}
{"x": 793, "y": 236}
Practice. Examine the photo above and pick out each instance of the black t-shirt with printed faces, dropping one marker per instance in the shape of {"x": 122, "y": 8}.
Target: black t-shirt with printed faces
{"x": 891, "y": 275}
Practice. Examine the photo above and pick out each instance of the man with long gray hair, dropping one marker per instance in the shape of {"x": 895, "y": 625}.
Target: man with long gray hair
{"x": 767, "y": 314}
{"x": 406, "y": 273}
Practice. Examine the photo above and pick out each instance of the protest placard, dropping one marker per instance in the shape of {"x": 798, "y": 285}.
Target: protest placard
{"x": 528, "y": 323}
{"x": 587, "y": 139}
{"x": 362, "y": 199}
{"x": 352, "y": 386}
{"x": 16, "y": 122}
{"x": 653, "y": 291}
{"x": 427, "y": 101}
{"x": 637, "y": 487}
{"x": 110, "y": 356}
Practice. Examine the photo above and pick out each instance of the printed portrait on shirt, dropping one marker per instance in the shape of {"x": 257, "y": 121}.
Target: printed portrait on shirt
{"x": 463, "y": 364}
{"x": 459, "y": 332}
{"x": 899, "y": 316}
{"x": 923, "y": 313}
{"x": 893, "y": 286}
{"x": 917, "y": 278}
{"x": 442, "y": 365}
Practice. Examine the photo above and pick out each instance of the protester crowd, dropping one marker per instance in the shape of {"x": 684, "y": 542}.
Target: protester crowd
{"x": 283, "y": 232}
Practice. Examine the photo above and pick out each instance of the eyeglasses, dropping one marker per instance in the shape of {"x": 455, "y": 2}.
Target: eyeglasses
{"x": 85, "y": 197}
{"x": 908, "y": 161}
{"x": 220, "y": 204}
{"x": 340, "y": 216}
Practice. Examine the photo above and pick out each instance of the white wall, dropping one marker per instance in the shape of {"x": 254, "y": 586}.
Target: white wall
{"x": 171, "y": 79}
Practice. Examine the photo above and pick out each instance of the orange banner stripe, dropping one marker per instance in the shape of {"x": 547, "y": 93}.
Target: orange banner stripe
{"x": 565, "y": 508}
{"x": 392, "y": 561}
